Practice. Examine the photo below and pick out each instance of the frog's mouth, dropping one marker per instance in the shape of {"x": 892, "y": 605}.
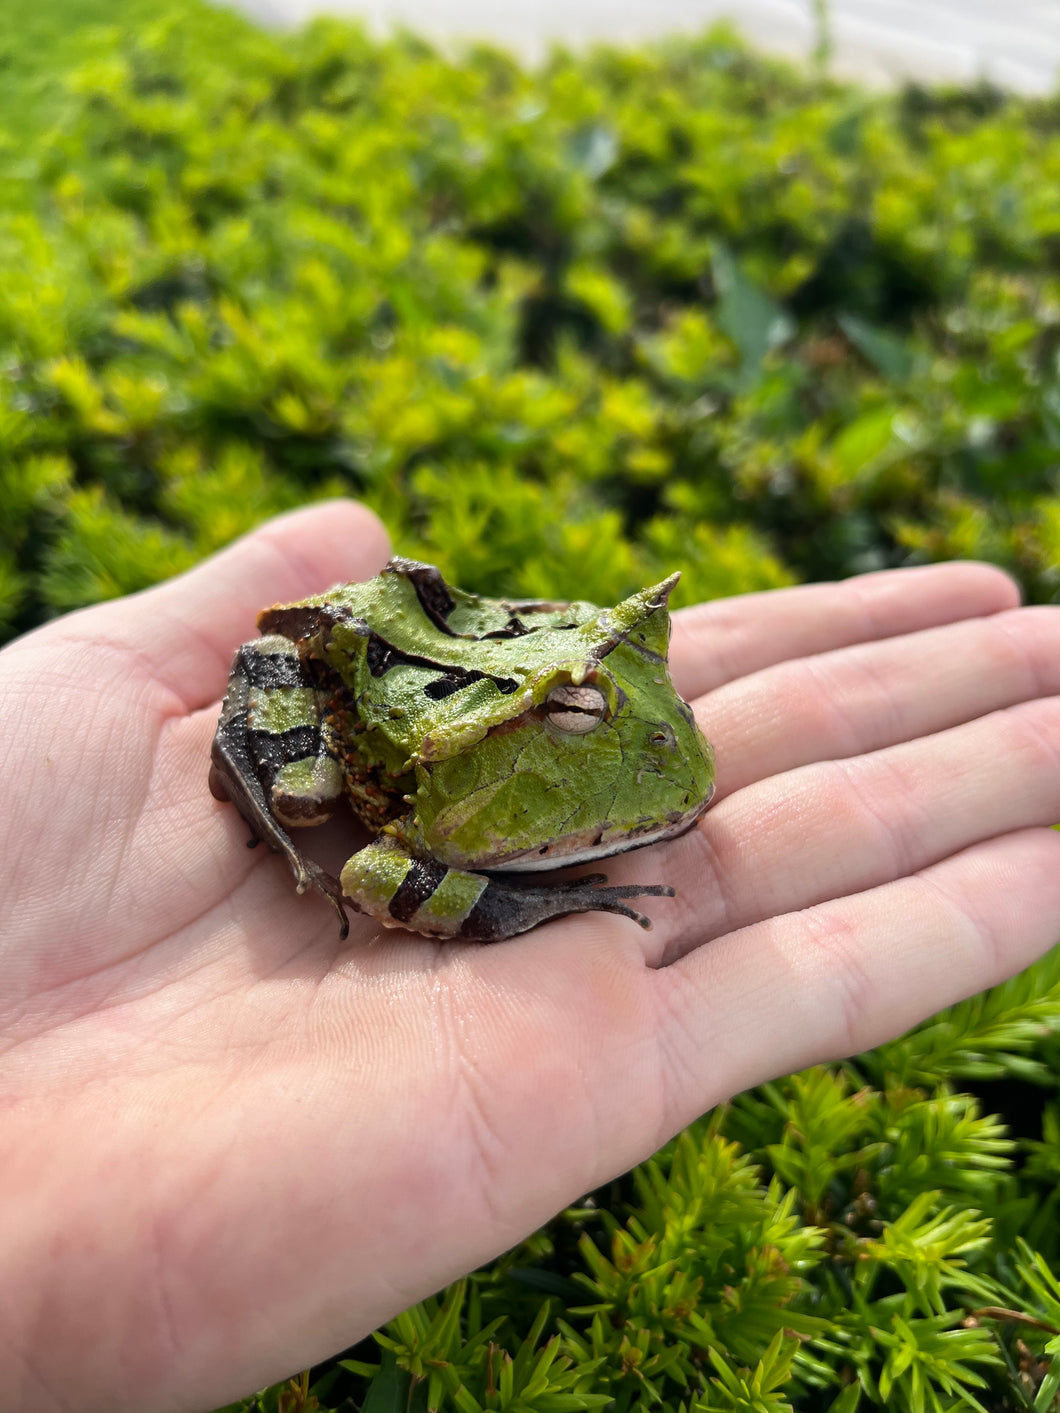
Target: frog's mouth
{"x": 599, "y": 843}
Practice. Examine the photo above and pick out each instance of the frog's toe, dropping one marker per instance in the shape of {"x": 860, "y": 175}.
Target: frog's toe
{"x": 509, "y": 906}
{"x": 218, "y": 789}
{"x": 310, "y": 875}
{"x": 611, "y": 899}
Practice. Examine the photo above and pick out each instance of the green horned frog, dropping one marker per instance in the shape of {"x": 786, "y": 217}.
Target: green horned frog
{"x": 480, "y": 740}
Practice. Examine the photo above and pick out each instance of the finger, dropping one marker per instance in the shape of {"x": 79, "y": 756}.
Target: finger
{"x": 836, "y": 828}
{"x": 863, "y": 698}
{"x": 184, "y": 632}
{"x": 720, "y": 641}
{"x": 842, "y": 977}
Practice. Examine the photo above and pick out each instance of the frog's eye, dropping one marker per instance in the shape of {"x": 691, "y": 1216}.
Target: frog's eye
{"x": 575, "y": 710}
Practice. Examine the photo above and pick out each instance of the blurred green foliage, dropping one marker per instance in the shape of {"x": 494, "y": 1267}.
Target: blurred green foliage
{"x": 567, "y": 330}
{"x": 679, "y": 307}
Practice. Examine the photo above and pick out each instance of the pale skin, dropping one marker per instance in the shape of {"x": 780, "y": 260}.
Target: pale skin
{"x": 233, "y": 1146}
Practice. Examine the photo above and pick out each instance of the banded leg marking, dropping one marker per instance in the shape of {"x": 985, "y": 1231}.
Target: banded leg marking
{"x": 270, "y": 760}
{"x": 303, "y": 779}
{"x": 385, "y": 882}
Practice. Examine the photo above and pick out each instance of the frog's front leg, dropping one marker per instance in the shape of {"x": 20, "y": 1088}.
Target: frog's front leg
{"x": 398, "y": 890}
{"x": 270, "y": 756}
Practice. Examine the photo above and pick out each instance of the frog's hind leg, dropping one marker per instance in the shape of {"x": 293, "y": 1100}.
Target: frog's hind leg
{"x": 270, "y": 756}
{"x": 386, "y": 882}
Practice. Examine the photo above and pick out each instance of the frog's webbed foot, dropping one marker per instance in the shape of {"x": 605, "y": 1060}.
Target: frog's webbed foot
{"x": 509, "y": 905}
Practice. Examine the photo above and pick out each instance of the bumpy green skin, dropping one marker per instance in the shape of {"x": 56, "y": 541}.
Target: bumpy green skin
{"x": 471, "y": 735}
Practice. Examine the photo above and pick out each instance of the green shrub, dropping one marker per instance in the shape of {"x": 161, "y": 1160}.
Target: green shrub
{"x": 677, "y": 307}
{"x": 599, "y": 312}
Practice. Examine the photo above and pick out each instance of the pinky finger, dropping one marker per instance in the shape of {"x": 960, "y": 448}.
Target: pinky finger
{"x": 841, "y": 977}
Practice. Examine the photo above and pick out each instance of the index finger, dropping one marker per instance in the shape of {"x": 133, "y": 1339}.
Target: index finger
{"x": 718, "y": 642}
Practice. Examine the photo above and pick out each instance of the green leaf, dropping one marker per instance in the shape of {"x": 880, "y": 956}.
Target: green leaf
{"x": 847, "y": 1401}
{"x": 390, "y": 1390}
{"x": 756, "y": 323}
{"x": 594, "y": 149}
{"x": 888, "y": 355}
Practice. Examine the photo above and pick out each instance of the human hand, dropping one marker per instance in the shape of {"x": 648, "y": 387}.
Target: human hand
{"x": 233, "y": 1146}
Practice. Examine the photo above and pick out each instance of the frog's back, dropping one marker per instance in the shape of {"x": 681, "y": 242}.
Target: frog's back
{"x": 409, "y": 617}
{"x": 418, "y": 656}
{"x": 413, "y": 607}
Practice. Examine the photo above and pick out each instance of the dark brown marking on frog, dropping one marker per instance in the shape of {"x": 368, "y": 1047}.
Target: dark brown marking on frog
{"x": 601, "y": 650}
{"x": 416, "y": 887}
{"x": 431, "y": 590}
{"x": 381, "y": 656}
{"x": 443, "y": 687}
{"x": 271, "y": 670}
{"x": 233, "y": 776}
{"x": 302, "y": 621}
{"x": 514, "y": 628}
{"x": 437, "y": 602}
{"x": 272, "y": 750}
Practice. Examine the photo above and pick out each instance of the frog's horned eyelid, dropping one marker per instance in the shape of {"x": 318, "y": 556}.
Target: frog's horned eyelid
{"x": 662, "y": 592}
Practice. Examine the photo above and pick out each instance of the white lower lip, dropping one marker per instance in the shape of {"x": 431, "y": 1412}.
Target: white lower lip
{"x": 541, "y": 863}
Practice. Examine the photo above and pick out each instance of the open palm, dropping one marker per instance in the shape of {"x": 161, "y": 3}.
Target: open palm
{"x": 233, "y": 1145}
